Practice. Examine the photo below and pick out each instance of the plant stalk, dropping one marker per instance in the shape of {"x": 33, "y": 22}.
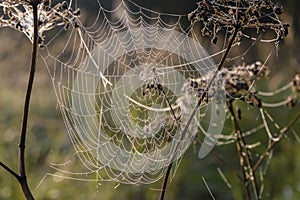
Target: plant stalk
{"x": 22, "y": 168}
{"x": 273, "y": 143}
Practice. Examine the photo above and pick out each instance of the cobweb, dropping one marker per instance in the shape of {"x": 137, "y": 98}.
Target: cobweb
{"x": 121, "y": 85}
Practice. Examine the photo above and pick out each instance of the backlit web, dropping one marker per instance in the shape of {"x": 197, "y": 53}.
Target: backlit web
{"x": 121, "y": 83}
{"x": 127, "y": 81}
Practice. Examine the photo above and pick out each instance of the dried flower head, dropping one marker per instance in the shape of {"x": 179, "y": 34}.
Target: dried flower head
{"x": 19, "y": 15}
{"x": 261, "y": 15}
{"x": 237, "y": 81}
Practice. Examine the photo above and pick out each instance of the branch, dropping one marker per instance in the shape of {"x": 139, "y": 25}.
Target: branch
{"x": 165, "y": 182}
{"x": 9, "y": 170}
{"x": 22, "y": 169}
{"x": 243, "y": 152}
{"x": 221, "y": 160}
{"x": 271, "y": 146}
{"x": 239, "y": 145}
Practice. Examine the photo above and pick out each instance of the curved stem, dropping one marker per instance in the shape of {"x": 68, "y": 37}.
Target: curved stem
{"x": 9, "y": 170}
{"x": 22, "y": 169}
{"x": 273, "y": 143}
{"x": 165, "y": 182}
{"x": 21, "y": 177}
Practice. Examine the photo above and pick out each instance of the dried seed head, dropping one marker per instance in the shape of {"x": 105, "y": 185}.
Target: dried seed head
{"x": 261, "y": 15}
{"x": 18, "y": 15}
{"x": 278, "y": 9}
{"x": 237, "y": 82}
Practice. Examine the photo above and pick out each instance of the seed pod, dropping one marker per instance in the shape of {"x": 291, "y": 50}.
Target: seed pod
{"x": 278, "y": 9}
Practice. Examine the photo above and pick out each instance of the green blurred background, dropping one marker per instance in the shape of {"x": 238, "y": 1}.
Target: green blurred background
{"x": 48, "y": 142}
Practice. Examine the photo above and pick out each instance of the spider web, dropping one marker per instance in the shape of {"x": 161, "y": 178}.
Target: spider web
{"x": 121, "y": 83}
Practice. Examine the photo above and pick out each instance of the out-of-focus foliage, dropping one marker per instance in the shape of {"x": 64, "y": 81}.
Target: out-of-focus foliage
{"x": 47, "y": 141}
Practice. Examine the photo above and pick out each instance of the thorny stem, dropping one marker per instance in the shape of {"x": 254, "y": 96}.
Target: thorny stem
{"x": 273, "y": 143}
{"x": 22, "y": 168}
{"x": 203, "y": 95}
{"x": 244, "y": 153}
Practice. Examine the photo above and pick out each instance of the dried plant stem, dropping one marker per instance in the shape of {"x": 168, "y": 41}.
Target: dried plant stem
{"x": 165, "y": 182}
{"x": 273, "y": 143}
{"x": 9, "y": 170}
{"x": 240, "y": 152}
{"x": 202, "y": 97}
{"x": 244, "y": 155}
{"x": 22, "y": 169}
{"x": 221, "y": 160}
{"x": 21, "y": 177}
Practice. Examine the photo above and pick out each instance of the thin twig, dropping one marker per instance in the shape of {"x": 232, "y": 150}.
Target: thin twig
{"x": 208, "y": 189}
{"x": 220, "y": 159}
{"x": 271, "y": 146}
{"x": 244, "y": 152}
{"x": 239, "y": 145}
{"x": 165, "y": 182}
{"x": 9, "y": 170}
